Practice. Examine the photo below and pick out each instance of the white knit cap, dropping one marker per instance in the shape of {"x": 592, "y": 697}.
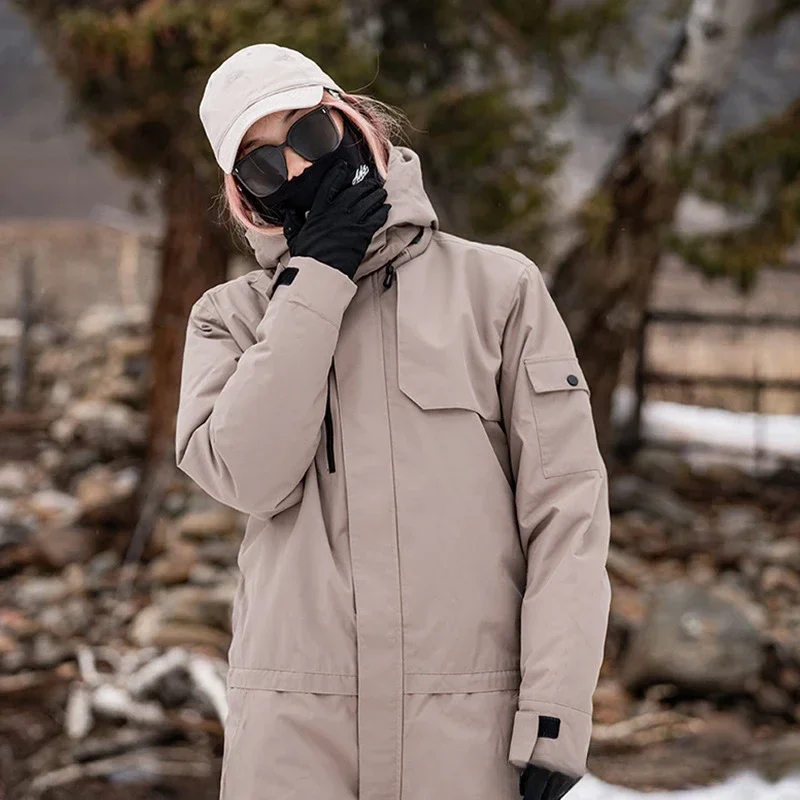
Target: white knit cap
{"x": 253, "y": 82}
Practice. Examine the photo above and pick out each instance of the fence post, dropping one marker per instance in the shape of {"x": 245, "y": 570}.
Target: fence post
{"x": 631, "y": 439}
{"x": 18, "y": 376}
{"x": 758, "y": 450}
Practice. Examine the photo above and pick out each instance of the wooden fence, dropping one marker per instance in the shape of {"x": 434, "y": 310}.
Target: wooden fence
{"x": 645, "y": 376}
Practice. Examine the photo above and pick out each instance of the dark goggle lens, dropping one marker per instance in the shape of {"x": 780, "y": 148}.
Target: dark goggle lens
{"x": 263, "y": 171}
{"x": 314, "y": 135}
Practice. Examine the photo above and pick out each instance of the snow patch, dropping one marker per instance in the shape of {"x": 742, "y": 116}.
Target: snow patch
{"x": 744, "y": 786}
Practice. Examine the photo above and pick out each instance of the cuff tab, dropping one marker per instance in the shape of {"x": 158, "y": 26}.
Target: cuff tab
{"x": 286, "y": 277}
{"x": 549, "y": 727}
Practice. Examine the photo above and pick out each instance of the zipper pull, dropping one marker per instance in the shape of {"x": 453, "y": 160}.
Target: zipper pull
{"x": 387, "y": 281}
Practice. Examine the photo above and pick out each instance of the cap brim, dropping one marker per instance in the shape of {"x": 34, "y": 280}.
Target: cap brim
{"x": 304, "y": 97}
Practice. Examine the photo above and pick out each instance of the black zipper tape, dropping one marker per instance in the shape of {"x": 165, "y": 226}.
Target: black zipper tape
{"x": 329, "y": 429}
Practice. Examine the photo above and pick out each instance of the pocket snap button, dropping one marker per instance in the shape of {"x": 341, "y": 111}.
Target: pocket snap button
{"x": 572, "y": 380}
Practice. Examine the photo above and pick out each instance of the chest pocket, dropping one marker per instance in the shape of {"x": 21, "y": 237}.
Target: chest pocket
{"x": 563, "y": 413}
{"x": 444, "y": 359}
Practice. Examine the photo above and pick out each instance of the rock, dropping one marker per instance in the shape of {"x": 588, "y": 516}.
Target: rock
{"x": 10, "y": 331}
{"x": 662, "y": 467}
{"x": 780, "y": 579}
{"x": 7, "y": 644}
{"x": 118, "y": 389}
{"x": 105, "y": 495}
{"x": 726, "y": 475}
{"x": 220, "y": 551}
{"x": 611, "y": 702}
{"x": 67, "y": 619}
{"x": 129, "y": 361}
{"x": 774, "y": 701}
{"x": 102, "y": 564}
{"x": 733, "y": 592}
{"x": 103, "y": 321}
{"x": 782, "y": 553}
{"x": 629, "y": 493}
{"x": 737, "y": 521}
{"x": 702, "y": 569}
{"x": 51, "y": 506}
{"x": 110, "y": 427}
{"x": 15, "y": 479}
{"x": 14, "y": 660}
{"x": 175, "y": 566}
{"x": 694, "y": 640}
{"x": 50, "y": 459}
{"x": 73, "y": 462}
{"x": 7, "y": 510}
{"x": 204, "y": 574}
{"x": 151, "y": 627}
{"x": 35, "y": 591}
{"x": 628, "y": 606}
{"x": 19, "y": 624}
{"x": 198, "y": 604}
{"x": 13, "y": 533}
{"x": 175, "y": 502}
{"x": 210, "y": 524}
{"x": 186, "y": 615}
{"x": 49, "y": 651}
{"x": 62, "y": 545}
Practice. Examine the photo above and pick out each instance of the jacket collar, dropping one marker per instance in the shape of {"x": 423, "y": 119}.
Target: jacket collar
{"x": 397, "y": 240}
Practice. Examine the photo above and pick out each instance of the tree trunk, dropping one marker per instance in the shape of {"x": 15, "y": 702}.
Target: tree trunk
{"x": 602, "y": 284}
{"x": 195, "y": 251}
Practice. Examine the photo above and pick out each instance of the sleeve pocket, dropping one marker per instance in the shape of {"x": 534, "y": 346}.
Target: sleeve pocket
{"x": 563, "y": 414}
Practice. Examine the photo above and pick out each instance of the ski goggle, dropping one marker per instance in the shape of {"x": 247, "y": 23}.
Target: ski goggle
{"x": 263, "y": 171}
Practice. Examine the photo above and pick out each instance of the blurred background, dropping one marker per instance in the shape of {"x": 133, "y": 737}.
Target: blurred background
{"x": 644, "y": 153}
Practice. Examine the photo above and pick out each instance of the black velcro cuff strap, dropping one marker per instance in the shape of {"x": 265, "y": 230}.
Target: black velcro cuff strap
{"x": 286, "y": 277}
{"x": 549, "y": 727}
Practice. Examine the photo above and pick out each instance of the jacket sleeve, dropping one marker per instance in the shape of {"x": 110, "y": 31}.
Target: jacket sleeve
{"x": 249, "y": 421}
{"x": 563, "y": 517}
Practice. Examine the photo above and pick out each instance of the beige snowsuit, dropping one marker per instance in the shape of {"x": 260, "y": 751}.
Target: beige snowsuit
{"x": 423, "y": 599}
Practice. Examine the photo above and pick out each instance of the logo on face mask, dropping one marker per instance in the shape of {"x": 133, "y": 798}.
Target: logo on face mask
{"x": 361, "y": 173}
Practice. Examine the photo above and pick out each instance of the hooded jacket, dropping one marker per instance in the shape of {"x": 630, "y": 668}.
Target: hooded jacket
{"x": 423, "y": 599}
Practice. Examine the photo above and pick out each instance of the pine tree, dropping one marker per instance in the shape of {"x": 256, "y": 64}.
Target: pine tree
{"x": 755, "y": 172}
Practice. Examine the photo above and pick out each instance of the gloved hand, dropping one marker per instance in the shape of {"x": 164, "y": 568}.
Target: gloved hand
{"x": 341, "y": 222}
{"x": 539, "y": 783}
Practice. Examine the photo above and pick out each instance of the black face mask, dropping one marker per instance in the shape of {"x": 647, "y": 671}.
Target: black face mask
{"x": 298, "y": 193}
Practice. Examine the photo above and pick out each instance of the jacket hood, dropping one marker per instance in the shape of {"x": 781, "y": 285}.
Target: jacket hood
{"x": 410, "y": 214}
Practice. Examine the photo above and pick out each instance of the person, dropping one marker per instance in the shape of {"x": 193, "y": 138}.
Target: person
{"x": 423, "y": 597}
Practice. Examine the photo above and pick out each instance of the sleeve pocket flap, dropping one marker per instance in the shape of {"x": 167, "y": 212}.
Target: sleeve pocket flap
{"x": 556, "y": 374}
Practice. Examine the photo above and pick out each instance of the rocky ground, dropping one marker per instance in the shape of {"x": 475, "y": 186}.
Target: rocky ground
{"x": 113, "y": 644}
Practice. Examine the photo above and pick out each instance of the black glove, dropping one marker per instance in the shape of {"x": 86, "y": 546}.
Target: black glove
{"x": 342, "y": 220}
{"x": 539, "y": 783}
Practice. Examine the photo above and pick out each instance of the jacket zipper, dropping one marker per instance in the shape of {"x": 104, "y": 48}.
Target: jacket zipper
{"x": 329, "y": 448}
{"x": 387, "y": 282}
{"x": 329, "y": 427}
{"x": 390, "y": 270}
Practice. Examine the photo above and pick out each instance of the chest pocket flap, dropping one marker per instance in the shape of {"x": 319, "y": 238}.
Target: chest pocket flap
{"x": 444, "y": 360}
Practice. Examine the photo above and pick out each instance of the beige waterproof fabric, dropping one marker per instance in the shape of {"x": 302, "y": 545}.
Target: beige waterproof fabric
{"x": 403, "y": 621}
